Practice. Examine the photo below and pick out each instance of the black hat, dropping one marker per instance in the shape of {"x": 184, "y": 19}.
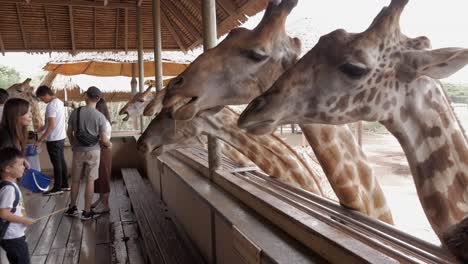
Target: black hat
{"x": 93, "y": 92}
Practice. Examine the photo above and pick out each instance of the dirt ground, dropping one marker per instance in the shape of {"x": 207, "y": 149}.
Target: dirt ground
{"x": 391, "y": 168}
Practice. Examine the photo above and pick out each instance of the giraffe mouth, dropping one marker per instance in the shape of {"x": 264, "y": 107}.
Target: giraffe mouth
{"x": 260, "y": 128}
{"x": 157, "y": 151}
{"x": 185, "y": 108}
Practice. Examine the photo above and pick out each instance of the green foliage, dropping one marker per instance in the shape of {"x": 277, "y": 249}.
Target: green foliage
{"x": 456, "y": 89}
{"x": 8, "y": 76}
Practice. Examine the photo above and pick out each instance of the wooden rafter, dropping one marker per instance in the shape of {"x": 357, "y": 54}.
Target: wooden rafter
{"x": 94, "y": 26}
{"x": 228, "y": 5}
{"x": 20, "y": 20}
{"x": 106, "y": 2}
{"x": 117, "y": 29}
{"x": 169, "y": 5}
{"x": 72, "y": 27}
{"x": 48, "y": 27}
{"x": 171, "y": 29}
{"x": 139, "y": 3}
{"x": 126, "y": 30}
{"x": 83, "y": 3}
{"x": 2, "y": 46}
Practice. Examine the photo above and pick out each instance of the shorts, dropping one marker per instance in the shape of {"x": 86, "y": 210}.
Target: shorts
{"x": 86, "y": 163}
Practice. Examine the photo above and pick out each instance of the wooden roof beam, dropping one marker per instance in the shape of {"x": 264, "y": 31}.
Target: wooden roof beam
{"x": 83, "y": 3}
{"x": 169, "y": 5}
{"x": 2, "y": 46}
{"x": 171, "y": 29}
{"x": 117, "y": 29}
{"x": 72, "y": 27}
{"x": 48, "y": 27}
{"x": 94, "y": 26}
{"x": 139, "y": 3}
{"x": 126, "y": 30}
{"x": 229, "y": 6}
{"x": 20, "y": 19}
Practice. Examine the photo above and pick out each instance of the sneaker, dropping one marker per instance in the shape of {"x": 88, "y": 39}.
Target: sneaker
{"x": 71, "y": 211}
{"x": 66, "y": 189}
{"x": 100, "y": 209}
{"x": 52, "y": 192}
{"x": 89, "y": 215}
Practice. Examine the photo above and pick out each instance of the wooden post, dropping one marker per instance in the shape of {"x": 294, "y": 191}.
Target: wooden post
{"x": 157, "y": 44}
{"x": 209, "y": 41}
{"x": 133, "y": 85}
{"x": 141, "y": 69}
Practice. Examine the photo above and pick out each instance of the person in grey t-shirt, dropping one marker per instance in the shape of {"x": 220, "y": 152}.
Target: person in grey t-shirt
{"x": 86, "y": 157}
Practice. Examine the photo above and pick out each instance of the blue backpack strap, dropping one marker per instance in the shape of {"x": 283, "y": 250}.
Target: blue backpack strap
{"x": 4, "y": 224}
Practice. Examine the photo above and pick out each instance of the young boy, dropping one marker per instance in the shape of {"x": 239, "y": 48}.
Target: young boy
{"x": 13, "y": 221}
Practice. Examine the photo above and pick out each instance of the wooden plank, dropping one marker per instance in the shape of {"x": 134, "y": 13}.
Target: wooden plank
{"x": 126, "y": 30}
{"x": 63, "y": 232}
{"x": 50, "y": 230}
{"x": 117, "y": 28}
{"x": 71, "y": 256}
{"x": 46, "y": 17}
{"x": 55, "y": 256}
{"x": 173, "y": 32}
{"x": 229, "y": 6}
{"x": 103, "y": 230}
{"x": 172, "y": 248}
{"x": 88, "y": 244}
{"x": 118, "y": 249}
{"x": 38, "y": 207}
{"x": 35, "y": 260}
{"x": 72, "y": 27}
{"x": 103, "y": 254}
{"x": 135, "y": 256}
{"x": 151, "y": 248}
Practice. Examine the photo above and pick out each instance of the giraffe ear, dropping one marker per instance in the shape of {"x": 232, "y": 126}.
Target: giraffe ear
{"x": 437, "y": 64}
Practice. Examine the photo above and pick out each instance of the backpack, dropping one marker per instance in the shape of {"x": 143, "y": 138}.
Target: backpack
{"x": 4, "y": 224}
{"x": 84, "y": 137}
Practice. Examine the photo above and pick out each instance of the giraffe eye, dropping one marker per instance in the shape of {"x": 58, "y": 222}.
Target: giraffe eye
{"x": 255, "y": 55}
{"x": 354, "y": 71}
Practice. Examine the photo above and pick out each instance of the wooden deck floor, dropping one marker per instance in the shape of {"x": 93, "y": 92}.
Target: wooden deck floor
{"x": 111, "y": 238}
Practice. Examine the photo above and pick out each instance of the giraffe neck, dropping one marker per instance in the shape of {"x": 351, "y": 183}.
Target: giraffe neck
{"x": 437, "y": 153}
{"x": 238, "y": 158}
{"x": 268, "y": 152}
{"x": 347, "y": 170}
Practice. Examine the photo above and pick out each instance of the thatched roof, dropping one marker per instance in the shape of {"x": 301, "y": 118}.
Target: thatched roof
{"x": 88, "y": 25}
{"x": 116, "y": 64}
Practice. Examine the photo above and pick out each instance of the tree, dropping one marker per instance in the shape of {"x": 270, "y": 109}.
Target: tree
{"x": 8, "y": 76}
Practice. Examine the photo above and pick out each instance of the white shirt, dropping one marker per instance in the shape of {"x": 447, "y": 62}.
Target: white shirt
{"x": 56, "y": 110}
{"x": 7, "y": 197}
{"x": 108, "y": 129}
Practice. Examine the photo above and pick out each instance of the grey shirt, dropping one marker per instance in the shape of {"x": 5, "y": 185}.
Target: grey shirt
{"x": 91, "y": 121}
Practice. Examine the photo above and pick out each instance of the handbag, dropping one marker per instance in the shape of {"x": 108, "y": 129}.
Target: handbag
{"x": 85, "y": 138}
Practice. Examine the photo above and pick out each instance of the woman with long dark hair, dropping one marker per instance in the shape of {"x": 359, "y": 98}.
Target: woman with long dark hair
{"x": 102, "y": 184}
{"x": 14, "y": 125}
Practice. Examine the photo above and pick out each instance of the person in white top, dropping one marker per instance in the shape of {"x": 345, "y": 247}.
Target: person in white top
{"x": 3, "y": 98}
{"x": 102, "y": 184}
{"x": 13, "y": 217}
{"x": 54, "y": 134}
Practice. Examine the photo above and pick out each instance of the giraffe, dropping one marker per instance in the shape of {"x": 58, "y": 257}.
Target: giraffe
{"x": 383, "y": 75}
{"x": 135, "y": 106}
{"x": 137, "y": 103}
{"x": 25, "y": 91}
{"x": 243, "y": 66}
{"x": 270, "y": 153}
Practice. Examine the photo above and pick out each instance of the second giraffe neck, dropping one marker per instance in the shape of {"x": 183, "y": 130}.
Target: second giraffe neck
{"x": 437, "y": 153}
{"x": 268, "y": 152}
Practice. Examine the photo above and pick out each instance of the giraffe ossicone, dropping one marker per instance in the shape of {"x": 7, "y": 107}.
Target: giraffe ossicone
{"x": 382, "y": 75}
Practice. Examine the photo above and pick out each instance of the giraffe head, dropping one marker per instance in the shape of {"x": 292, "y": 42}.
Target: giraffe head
{"x": 347, "y": 77}
{"x": 242, "y": 66}
{"x": 155, "y": 106}
{"x": 165, "y": 133}
{"x": 23, "y": 90}
{"x": 137, "y": 104}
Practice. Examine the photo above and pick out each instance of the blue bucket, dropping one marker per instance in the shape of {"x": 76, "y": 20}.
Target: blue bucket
{"x": 31, "y": 150}
{"x": 35, "y": 181}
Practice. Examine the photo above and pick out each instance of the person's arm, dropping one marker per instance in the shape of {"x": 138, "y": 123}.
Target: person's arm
{"x": 71, "y": 139}
{"x": 50, "y": 128}
{"x": 104, "y": 140}
{"x": 5, "y": 214}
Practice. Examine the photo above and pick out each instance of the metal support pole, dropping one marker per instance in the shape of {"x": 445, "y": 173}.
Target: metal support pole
{"x": 141, "y": 69}
{"x": 157, "y": 44}
{"x": 209, "y": 41}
